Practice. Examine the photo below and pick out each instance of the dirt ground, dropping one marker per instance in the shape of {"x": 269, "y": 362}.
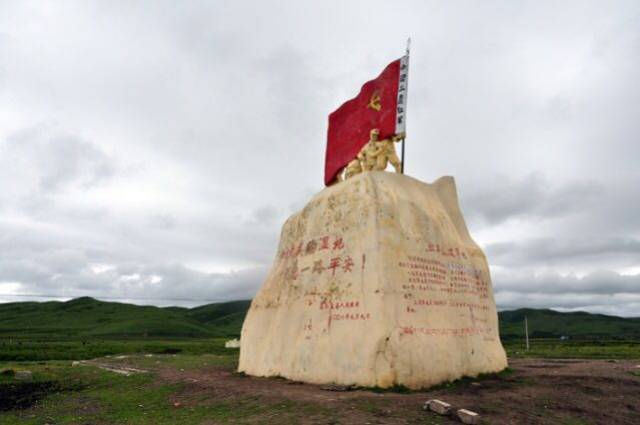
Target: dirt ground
{"x": 537, "y": 391}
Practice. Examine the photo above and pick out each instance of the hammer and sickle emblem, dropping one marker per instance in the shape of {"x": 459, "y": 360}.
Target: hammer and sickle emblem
{"x": 374, "y": 103}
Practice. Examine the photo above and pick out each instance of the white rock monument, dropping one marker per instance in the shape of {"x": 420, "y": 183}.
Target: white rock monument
{"x": 376, "y": 283}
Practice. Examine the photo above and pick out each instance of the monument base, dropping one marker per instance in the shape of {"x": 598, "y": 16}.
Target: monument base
{"x": 376, "y": 283}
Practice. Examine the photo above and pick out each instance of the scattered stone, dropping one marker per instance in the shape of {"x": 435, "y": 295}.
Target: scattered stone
{"x": 24, "y": 375}
{"x": 468, "y": 417}
{"x": 232, "y": 343}
{"x": 476, "y": 384}
{"x": 438, "y": 406}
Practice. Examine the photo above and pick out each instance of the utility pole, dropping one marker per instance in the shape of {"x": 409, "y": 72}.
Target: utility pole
{"x": 526, "y": 332}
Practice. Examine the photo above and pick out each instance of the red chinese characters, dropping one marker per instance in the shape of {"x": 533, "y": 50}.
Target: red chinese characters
{"x": 337, "y": 305}
{"x": 447, "y": 252}
{"x": 350, "y": 316}
{"x": 343, "y": 264}
{"x": 430, "y": 302}
{"x": 347, "y": 265}
{"x": 425, "y": 271}
{"x": 295, "y": 262}
{"x": 455, "y": 332}
{"x": 312, "y": 246}
{"x": 334, "y": 263}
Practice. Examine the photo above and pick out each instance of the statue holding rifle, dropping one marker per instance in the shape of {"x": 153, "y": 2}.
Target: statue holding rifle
{"x": 375, "y": 155}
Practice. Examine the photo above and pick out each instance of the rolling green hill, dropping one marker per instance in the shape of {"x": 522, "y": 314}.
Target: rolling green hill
{"x": 89, "y": 318}
{"x": 86, "y": 317}
{"x": 580, "y": 325}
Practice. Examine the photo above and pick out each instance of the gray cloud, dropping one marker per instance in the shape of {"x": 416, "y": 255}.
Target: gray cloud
{"x": 264, "y": 215}
{"x": 601, "y": 282}
{"x": 618, "y": 305}
{"x": 533, "y": 197}
{"x": 47, "y": 161}
{"x": 564, "y": 251}
{"x": 164, "y": 284}
{"x": 604, "y": 292}
{"x": 182, "y": 154}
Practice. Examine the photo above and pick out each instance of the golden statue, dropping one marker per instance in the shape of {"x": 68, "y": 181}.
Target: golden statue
{"x": 375, "y": 155}
{"x": 369, "y": 153}
{"x": 354, "y": 167}
{"x": 386, "y": 151}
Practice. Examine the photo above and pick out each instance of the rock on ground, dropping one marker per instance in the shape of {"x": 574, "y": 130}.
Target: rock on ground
{"x": 376, "y": 283}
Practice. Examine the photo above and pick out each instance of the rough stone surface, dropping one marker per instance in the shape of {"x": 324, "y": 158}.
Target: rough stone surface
{"x": 376, "y": 282}
{"x": 440, "y": 407}
{"x": 468, "y": 417}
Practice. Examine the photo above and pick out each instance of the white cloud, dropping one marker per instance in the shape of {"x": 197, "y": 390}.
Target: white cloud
{"x": 171, "y": 142}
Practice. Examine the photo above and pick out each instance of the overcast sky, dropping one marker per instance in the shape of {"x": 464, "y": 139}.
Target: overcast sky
{"x": 151, "y": 151}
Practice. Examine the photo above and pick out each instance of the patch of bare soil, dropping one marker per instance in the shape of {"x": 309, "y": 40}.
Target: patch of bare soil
{"x": 537, "y": 391}
{"x": 21, "y": 395}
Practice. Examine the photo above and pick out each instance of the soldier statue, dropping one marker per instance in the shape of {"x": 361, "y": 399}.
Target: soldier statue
{"x": 375, "y": 155}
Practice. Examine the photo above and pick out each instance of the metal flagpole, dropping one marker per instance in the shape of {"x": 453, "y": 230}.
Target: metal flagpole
{"x": 405, "y": 106}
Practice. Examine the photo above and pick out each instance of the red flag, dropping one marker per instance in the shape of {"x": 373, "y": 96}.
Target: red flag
{"x": 380, "y": 104}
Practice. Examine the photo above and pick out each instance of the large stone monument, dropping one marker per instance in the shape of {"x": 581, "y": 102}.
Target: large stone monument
{"x": 376, "y": 283}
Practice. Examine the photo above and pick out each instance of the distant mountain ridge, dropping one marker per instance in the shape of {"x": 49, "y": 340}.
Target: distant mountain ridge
{"x": 545, "y": 323}
{"x": 87, "y": 317}
{"x": 90, "y": 318}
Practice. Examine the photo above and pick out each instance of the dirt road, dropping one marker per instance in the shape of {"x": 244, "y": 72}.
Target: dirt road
{"x": 537, "y": 391}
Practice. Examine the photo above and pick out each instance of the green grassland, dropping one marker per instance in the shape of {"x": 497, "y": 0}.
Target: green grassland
{"x": 86, "y": 328}
{"x": 46, "y": 337}
{"x": 573, "y": 349}
{"x": 88, "y": 395}
{"x": 577, "y": 325}
{"x": 62, "y": 393}
{"x": 25, "y": 349}
{"x": 89, "y": 319}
